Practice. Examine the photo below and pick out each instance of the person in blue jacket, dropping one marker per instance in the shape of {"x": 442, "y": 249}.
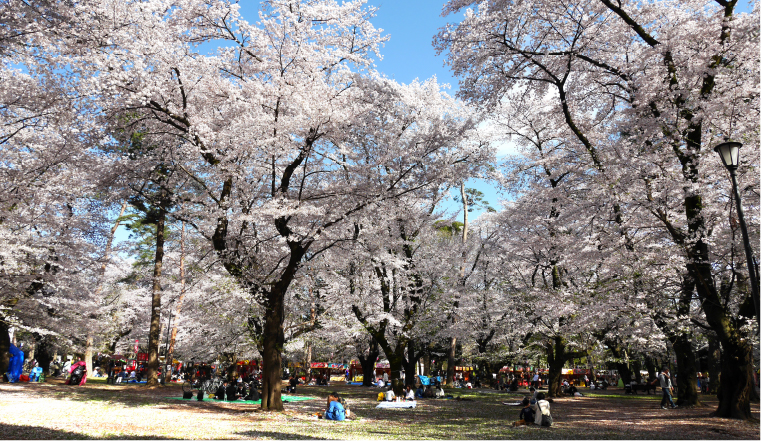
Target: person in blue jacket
{"x": 335, "y": 411}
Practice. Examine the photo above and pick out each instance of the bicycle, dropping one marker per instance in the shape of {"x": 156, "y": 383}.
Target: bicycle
{"x": 210, "y": 386}
{"x": 190, "y": 386}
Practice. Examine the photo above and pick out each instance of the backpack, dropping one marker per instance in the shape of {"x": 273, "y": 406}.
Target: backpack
{"x": 345, "y": 404}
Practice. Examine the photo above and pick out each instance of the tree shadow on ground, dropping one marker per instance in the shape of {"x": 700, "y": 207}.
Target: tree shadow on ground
{"x": 260, "y": 434}
{"x": 10, "y": 431}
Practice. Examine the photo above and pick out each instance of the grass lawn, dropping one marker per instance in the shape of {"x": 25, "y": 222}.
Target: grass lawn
{"x": 97, "y": 410}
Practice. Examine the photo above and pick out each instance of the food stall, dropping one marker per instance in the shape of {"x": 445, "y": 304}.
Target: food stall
{"x": 464, "y": 372}
{"x": 331, "y": 371}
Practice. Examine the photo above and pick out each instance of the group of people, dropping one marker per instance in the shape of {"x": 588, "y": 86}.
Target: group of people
{"x": 535, "y": 411}
{"x": 237, "y": 390}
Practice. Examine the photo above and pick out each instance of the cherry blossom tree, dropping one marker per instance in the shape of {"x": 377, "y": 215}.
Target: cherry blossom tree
{"x": 638, "y": 90}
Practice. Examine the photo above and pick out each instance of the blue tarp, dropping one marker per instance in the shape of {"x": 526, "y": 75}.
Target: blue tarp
{"x": 17, "y": 362}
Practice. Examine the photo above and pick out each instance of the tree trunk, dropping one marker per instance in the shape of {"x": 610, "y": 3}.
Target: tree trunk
{"x": 308, "y": 361}
{"x": 636, "y": 370}
{"x": 410, "y": 364}
{"x": 273, "y": 340}
{"x": 88, "y": 354}
{"x": 178, "y": 309}
{"x": 453, "y": 341}
{"x": 155, "y": 329}
{"x": 451, "y": 360}
{"x": 557, "y": 356}
{"x": 43, "y": 354}
{"x": 687, "y": 373}
{"x": 427, "y": 365}
{"x": 736, "y": 380}
{"x": 396, "y": 362}
{"x": 368, "y": 363}
{"x": 714, "y": 364}
{"x": 652, "y": 370}
{"x": 5, "y": 347}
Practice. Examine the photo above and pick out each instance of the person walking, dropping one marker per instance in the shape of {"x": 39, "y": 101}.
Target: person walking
{"x": 667, "y": 389}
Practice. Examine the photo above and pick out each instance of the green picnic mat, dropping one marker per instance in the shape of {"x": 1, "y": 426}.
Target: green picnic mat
{"x": 285, "y": 399}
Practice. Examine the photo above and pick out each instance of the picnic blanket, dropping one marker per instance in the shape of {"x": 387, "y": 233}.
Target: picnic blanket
{"x": 214, "y": 400}
{"x": 397, "y": 405}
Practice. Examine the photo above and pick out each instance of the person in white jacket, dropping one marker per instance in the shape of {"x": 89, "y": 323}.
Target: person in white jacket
{"x": 541, "y": 408}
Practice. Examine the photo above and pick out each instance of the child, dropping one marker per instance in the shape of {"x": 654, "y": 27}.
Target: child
{"x": 526, "y": 417}
{"x": 390, "y": 396}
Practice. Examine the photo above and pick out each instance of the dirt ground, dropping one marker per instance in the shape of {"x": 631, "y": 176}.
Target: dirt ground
{"x": 55, "y": 411}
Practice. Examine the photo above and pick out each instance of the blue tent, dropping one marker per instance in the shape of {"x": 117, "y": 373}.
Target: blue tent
{"x": 17, "y": 362}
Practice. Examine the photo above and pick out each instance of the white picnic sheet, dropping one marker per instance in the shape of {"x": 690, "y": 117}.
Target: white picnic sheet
{"x": 397, "y": 405}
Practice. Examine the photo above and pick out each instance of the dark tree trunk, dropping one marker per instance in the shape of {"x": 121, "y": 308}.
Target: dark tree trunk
{"x": 43, "y": 354}
{"x": 451, "y": 353}
{"x": 396, "y": 362}
{"x": 736, "y": 380}
{"x": 152, "y": 369}
{"x": 687, "y": 373}
{"x": 652, "y": 369}
{"x": 368, "y": 363}
{"x": 5, "y": 347}
{"x": 273, "y": 339}
{"x": 714, "y": 364}
{"x": 410, "y": 364}
{"x": 636, "y": 370}
{"x": 736, "y": 359}
{"x": 427, "y": 365}
{"x": 557, "y": 356}
{"x": 623, "y": 369}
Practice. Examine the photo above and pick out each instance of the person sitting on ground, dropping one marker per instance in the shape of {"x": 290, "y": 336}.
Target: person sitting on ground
{"x": 514, "y": 385}
{"x": 440, "y": 392}
{"x": 429, "y": 393}
{"x": 253, "y": 395}
{"x": 409, "y": 394}
{"x": 571, "y": 390}
{"x": 381, "y": 384}
{"x": 221, "y": 391}
{"x": 532, "y": 391}
{"x": 541, "y": 408}
{"x": 419, "y": 392}
{"x": 526, "y": 417}
{"x": 231, "y": 392}
{"x": 334, "y": 411}
{"x": 292, "y": 383}
{"x": 390, "y": 396}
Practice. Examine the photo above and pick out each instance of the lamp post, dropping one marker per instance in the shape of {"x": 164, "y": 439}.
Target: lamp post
{"x": 729, "y": 152}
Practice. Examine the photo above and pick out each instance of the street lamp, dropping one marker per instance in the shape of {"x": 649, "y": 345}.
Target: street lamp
{"x": 729, "y": 152}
